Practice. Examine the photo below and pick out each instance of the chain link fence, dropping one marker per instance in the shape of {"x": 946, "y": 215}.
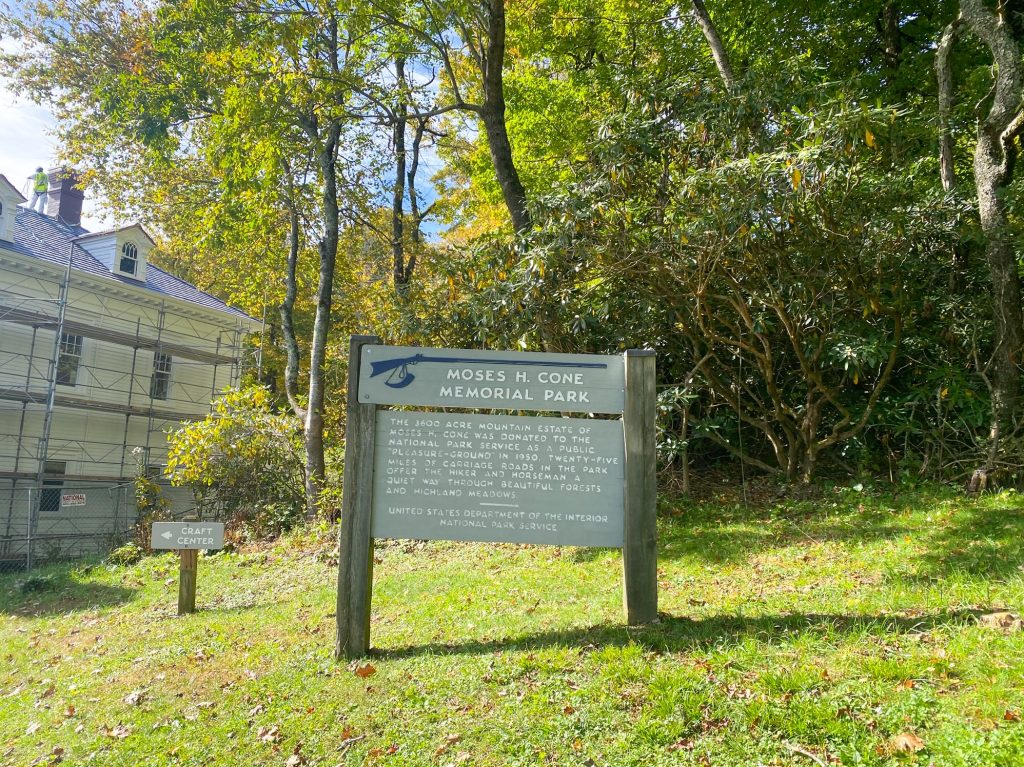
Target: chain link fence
{"x": 53, "y": 524}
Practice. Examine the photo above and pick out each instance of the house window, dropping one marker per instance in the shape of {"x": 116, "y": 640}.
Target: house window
{"x": 69, "y": 359}
{"x": 53, "y": 483}
{"x": 160, "y": 384}
{"x": 129, "y": 258}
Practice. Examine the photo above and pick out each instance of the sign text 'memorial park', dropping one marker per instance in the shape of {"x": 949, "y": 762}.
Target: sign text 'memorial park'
{"x": 500, "y": 478}
{"x": 469, "y": 378}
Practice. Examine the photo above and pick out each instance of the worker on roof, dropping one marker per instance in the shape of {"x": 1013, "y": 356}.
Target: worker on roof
{"x": 40, "y": 185}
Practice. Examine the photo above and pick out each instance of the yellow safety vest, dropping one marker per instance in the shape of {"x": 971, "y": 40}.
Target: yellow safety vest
{"x": 42, "y": 183}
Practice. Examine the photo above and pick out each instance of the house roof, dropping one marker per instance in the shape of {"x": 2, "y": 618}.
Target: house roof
{"x": 48, "y": 239}
{"x": 105, "y": 232}
{"x": 3, "y": 180}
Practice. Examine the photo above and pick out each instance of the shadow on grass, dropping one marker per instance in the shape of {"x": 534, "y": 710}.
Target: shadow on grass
{"x": 57, "y": 590}
{"x": 980, "y": 541}
{"x": 680, "y": 634}
{"x": 720, "y": 536}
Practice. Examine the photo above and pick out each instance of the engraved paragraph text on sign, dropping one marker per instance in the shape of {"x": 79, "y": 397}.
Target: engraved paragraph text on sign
{"x": 498, "y": 478}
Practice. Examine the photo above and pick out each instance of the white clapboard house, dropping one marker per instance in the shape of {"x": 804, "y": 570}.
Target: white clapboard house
{"x": 101, "y": 353}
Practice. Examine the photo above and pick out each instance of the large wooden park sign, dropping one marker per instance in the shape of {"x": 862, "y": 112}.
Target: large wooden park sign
{"x": 426, "y": 474}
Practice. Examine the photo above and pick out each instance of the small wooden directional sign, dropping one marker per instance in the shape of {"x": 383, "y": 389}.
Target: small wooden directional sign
{"x": 188, "y": 538}
{"x": 188, "y": 535}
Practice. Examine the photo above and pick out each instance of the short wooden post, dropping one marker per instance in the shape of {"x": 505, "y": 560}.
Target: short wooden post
{"x": 640, "y": 544}
{"x": 355, "y": 544}
{"x": 187, "y": 572}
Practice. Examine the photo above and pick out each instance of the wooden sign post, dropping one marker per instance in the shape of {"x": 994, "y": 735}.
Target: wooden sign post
{"x": 355, "y": 545}
{"x": 188, "y": 538}
{"x": 640, "y": 545}
{"x": 480, "y": 477}
{"x": 187, "y": 572}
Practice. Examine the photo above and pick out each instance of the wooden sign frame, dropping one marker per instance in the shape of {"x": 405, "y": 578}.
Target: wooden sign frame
{"x": 355, "y": 549}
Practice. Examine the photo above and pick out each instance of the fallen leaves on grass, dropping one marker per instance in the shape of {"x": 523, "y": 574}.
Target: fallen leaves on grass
{"x": 685, "y": 744}
{"x": 1011, "y": 716}
{"x": 270, "y": 734}
{"x": 54, "y": 757}
{"x": 449, "y": 741}
{"x": 31, "y": 729}
{"x": 118, "y": 732}
{"x": 363, "y": 670}
{"x": 349, "y": 740}
{"x": 1006, "y": 622}
{"x": 906, "y": 743}
{"x": 738, "y": 693}
{"x": 135, "y": 697}
{"x": 804, "y": 752}
{"x": 296, "y": 759}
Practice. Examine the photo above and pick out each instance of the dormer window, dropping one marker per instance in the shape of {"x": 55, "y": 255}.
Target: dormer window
{"x": 123, "y": 251}
{"x": 129, "y": 259}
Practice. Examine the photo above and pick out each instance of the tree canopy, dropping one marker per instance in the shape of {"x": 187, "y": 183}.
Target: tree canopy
{"x": 809, "y": 210}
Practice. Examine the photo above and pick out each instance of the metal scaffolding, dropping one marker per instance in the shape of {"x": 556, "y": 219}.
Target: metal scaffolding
{"x": 31, "y": 390}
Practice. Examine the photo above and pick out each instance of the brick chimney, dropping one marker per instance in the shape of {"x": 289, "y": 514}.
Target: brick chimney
{"x": 65, "y": 197}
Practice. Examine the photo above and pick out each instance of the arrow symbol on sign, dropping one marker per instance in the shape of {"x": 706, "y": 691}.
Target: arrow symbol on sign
{"x": 168, "y": 535}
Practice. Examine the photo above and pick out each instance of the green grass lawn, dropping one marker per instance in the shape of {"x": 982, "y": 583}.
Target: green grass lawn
{"x": 851, "y": 629}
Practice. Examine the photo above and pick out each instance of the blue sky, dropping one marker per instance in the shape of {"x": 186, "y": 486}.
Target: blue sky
{"x": 26, "y": 142}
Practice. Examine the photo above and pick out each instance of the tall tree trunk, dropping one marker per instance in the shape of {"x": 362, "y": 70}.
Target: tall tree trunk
{"x": 944, "y": 77}
{"x": 492, "y": 113}
{"x": 889, "y": 26}
{"x": 315, "y": 468}
{"x": 947, "y": 165}
{"x": 415, "y": 236}
{"x": 401, "y": 278}
{"x": 287, "y": 310}
{"x": 994, "y": 158}
{"x": 1002, "y": 265}
{"x": 718, "y": 52}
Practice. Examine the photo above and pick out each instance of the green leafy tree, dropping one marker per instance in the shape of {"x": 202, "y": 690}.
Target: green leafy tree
{"x": 260, "y": 97}
{"x": 243, "y": 462}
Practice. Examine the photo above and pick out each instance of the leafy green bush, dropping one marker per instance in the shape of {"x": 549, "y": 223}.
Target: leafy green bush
{"x": 243, "y": 462}
{"x": 128, "y": 554}
{"x": 787, "y": 276}
{"x": 150, "y": 504}
{"x": 36, "y": 584}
